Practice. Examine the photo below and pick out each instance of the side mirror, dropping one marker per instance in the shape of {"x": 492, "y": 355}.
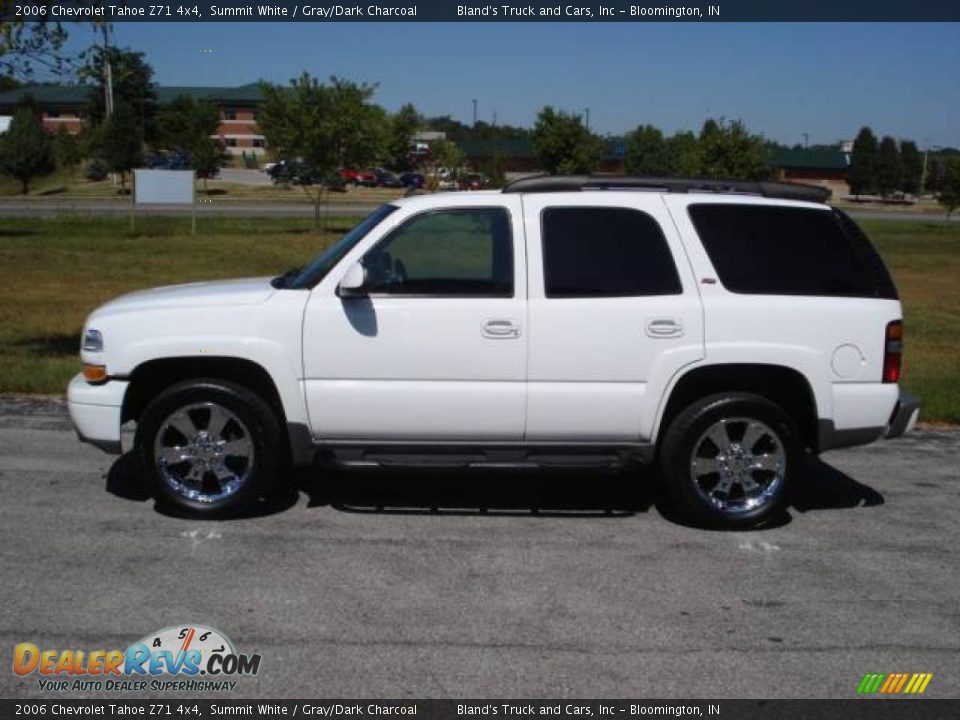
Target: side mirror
{"x": 353, "y": 283}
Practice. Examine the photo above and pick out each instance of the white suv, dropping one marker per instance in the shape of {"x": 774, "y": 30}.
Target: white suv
{"x": 721, "y": 329}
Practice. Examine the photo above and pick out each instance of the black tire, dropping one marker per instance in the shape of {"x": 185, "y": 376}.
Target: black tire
{"x": 253, "y": 424}
{"x": 698, "y": 494}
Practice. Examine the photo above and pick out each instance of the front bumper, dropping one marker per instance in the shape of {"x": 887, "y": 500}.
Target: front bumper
{"x": 95, "y": 411}
{"x": 904, "y": 416}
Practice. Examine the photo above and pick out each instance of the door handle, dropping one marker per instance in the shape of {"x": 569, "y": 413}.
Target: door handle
{"x": 664, "y": 328}
{"x": 500, "y": 329}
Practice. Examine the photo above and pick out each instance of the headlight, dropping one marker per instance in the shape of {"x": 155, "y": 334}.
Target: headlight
{"x": 92, "y": 341}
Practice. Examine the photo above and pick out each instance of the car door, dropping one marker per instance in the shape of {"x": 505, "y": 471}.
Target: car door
{"x": 613, "y": 312}
{"x": 435, "y": 349}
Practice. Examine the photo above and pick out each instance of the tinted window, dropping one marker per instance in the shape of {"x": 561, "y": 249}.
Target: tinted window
{"x": 446, "y": 252}
{"x": 605, "y": 252}
{"x": 781, "y": 251}
{"x": 321, "y": 265}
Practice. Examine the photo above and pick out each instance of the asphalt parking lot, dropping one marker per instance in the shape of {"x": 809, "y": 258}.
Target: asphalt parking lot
{"x": 469, "y": 585}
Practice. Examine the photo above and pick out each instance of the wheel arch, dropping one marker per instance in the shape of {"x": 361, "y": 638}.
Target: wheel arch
{"x": 782, "y": 385}
{"x": 150, "y": 378}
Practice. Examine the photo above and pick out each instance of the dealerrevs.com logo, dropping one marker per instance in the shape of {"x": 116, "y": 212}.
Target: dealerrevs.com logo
{"x": 183, "y": 658}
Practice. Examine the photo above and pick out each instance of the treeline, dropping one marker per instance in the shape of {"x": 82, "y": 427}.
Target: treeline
{"x": 885, "y": 167}
{"x": 335, "y": 124}
{"x": 113, "y": 141}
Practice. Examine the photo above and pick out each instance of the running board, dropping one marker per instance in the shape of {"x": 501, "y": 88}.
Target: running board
{"x": 424, "y": 455}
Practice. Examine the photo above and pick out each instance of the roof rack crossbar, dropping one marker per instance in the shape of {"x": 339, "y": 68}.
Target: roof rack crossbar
{"x": 576, "y": 183}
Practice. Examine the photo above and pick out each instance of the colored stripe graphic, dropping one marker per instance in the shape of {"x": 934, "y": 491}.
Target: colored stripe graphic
{"x": 870, "y": 683}
{"x": 894, "y": 683}
{"x": 901, "y": 682}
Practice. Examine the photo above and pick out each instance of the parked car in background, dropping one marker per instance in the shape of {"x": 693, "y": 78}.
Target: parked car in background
{"x": 297, "y": 172}
{"x": 412, "y": 180}
{"x": 277, "y": 170}
{"x": 473, "y": 181}
{"x": 174, "y": 160}
{"x": 385, "y": 178}
{"x": 359, "y": 178}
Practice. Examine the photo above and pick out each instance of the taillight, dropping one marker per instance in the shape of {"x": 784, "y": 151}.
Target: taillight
{"x": 892, "y": 351}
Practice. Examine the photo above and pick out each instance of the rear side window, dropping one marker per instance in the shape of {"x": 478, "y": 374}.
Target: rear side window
{"x": 605, "y": 252}
{"x": 764, "y": 249}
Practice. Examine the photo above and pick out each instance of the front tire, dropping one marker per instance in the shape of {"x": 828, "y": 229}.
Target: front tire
{"x": 730, "y": 460}
{"x": 209, "y": 447}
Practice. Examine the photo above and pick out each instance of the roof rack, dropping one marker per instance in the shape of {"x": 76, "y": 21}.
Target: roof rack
{"x": 576, "y": 183}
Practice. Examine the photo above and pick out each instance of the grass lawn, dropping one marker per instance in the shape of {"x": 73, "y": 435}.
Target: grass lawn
{"x": 62, "y": 186}
{"x": 924, "y": 257}
{"x": 53, "y": 272}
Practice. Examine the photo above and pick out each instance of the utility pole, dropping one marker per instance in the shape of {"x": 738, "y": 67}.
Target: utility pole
{"x": 474, "y": 112}
{"x": 108, "y": 90}
{"x": 107, "y": 72}
{"x": 806, "y": 140}
{"x": 586, "y": 112}
{"x": 923, "y": 175}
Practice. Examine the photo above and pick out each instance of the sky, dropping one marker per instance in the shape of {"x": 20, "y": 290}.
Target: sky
{"x": 784, "y": 80}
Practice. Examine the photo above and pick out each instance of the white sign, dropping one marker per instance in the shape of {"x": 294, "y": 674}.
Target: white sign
{"x": 163, "y": 187}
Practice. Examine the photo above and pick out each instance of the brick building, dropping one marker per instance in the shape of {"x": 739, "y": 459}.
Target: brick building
{"x": 65, "y": 106}
{"x": 822, "y": 165}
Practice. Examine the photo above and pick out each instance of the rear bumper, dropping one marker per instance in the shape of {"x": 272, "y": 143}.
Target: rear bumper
{"x": 95, "y": 412}
{"x": 904, "y": 417}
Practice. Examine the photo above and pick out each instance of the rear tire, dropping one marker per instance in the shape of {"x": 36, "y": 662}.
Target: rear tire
{"x": 209, "y": 447}
{"x": 731, "y": 460}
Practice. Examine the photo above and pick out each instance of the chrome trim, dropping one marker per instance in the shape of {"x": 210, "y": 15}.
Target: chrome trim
{"x": 203, "y": 452}
{"x": 738, "y": 465}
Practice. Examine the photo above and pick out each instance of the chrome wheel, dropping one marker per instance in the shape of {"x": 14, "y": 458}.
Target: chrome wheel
{"x": 203, "y": 452}
{"x": 738, "y": 465}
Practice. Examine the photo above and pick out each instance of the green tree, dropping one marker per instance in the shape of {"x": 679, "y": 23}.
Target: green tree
{"x": 728, "y": 151}
{"x": 862, "y": 174}
{"x": 911, "y": 167}
{"x": 403, "y": 124}
{"x": 563, "y": 145}
{"x": 186, "y": 121}
{"x": 683, "y": 151}
{"x": 188, "y": 125}
{"x": 120, "y": 142}
{"x": 41, "y": 44}
{"x": 325, "y": 126}
{"x": 359, "y": 127}
{"x": 443, "y": 154}
{"x": 132, "y": 86}
{"x": 26, "y": 150}
{"x": 931, "y": 182}
{"x": 888, "y": 166}
{"x": 67, "y": 150}
{"x": 207, "y": 156}
{"x": 949, "y": 196}
{"x": 647, "y": 153}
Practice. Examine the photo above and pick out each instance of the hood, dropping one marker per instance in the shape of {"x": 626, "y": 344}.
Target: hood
{"x": 202, "y": 294}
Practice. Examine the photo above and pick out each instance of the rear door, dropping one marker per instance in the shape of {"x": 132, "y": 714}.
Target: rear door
{"x": 614, "y": 313}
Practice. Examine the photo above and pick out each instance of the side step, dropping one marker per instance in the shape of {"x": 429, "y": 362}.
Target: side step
{"x": 355, "y": 455}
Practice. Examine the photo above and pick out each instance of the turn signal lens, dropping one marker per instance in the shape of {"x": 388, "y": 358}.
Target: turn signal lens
{"x": 94, "y": 373}
{"x": 893, "y": 352}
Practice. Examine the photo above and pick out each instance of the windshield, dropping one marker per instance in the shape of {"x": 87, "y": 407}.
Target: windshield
{"x": 322, "y": 264}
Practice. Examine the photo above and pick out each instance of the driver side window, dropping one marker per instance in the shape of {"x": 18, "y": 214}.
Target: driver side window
{"x": 458, "y": 252}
